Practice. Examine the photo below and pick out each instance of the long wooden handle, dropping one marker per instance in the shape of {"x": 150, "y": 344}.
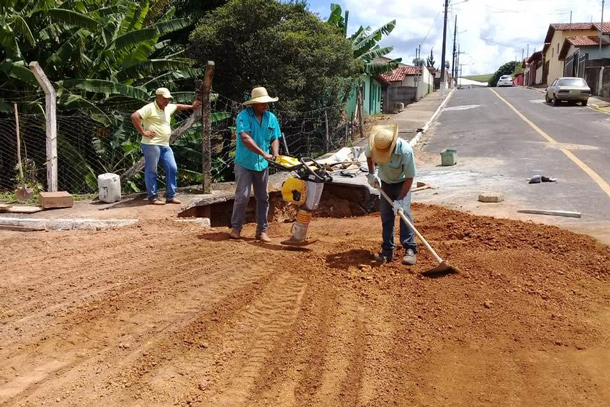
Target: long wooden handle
{"x": 18, "y": 145}
{"x": 406, "y": 220}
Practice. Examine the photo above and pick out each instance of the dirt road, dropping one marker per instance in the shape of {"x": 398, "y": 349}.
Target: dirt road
{"x": 168, "y": 314}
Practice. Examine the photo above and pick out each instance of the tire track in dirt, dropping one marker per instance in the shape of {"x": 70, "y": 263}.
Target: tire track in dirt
{"x": 41, "y": 309}
{"x": 94, "y": 268}
{"x": 295, "y": 372}
{"x": 89, "y": 324}
{"x": 341, "y": 365}
{"x": 254, "y": 335}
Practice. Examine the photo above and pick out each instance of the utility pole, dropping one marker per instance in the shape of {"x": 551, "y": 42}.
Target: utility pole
{"x": 453, "y": 68}
{"x": 601, "y": 70}
{"x": 443, "y": 55}
{"x": 601, "y": 30}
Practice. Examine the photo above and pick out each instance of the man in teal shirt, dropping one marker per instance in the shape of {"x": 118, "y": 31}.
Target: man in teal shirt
{"x": 258, "y": 134}
{"x": 396, "y": 170}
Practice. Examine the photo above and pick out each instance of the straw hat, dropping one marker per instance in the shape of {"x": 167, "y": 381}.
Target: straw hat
{"x": 260, "y": 95}
{"x": 382, "y": 142}
{"x": 164, "y": 92}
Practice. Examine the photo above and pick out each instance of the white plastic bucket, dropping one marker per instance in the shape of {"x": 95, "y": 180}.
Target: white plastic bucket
{"x": 109, "y": 186}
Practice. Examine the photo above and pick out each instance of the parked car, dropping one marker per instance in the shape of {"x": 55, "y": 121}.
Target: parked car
{"x": 505, "y": 80}
{"x": 568, "y": 89}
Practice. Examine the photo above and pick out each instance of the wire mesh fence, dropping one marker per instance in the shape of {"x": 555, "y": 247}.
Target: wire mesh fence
{"x": 92, "y": 144}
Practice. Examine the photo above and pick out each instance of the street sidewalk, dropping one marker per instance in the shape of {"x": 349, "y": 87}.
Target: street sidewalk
{"x": 413, "y": 118}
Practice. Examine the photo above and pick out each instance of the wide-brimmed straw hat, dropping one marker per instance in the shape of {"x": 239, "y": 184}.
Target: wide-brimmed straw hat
{"x": 382, "y": 142}
{"x": 260, "y": 95}
{"x": 164, "y": 92}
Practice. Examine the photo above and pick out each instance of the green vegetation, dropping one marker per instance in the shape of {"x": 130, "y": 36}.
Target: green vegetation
{"x": 506, "y": 69}
{"x": 365, "y": 43}
{"x": 282, "y": 46}
{"x": 479, "y": 78}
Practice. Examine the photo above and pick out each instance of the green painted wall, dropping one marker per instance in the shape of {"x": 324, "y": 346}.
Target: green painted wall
{"x": 372, "y": 97}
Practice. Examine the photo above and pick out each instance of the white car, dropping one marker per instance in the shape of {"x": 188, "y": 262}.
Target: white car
{"x": 505, "y": 80}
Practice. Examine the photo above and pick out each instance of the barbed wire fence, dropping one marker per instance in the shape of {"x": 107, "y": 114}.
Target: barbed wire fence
{"x": 92, "y": 144}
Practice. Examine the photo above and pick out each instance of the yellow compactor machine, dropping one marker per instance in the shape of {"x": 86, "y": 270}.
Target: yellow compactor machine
{"x": 303, "y": 189}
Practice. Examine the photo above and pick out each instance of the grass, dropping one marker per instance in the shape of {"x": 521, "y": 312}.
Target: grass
{"x": 11, "y": 198}
{"x": 479, "y": 78}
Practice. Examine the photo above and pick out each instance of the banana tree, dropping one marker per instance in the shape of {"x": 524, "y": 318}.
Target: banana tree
{"x": 97, "y": 53}
{"x": 365, "y": 43}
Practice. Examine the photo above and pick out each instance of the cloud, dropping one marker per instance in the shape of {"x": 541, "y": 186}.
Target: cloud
{"x": 490, "y": 32}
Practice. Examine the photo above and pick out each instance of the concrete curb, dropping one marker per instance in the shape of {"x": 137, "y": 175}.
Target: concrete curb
{"x": 421, "y": 132}
{"x": 64, "y": 224}
{"x": 600, "y": 109}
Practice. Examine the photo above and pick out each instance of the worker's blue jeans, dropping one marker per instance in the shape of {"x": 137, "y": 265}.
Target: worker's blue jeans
{"x": 153, "y": 156}
{"x": 407, "y": 236}
{"x": 245, "y": 180}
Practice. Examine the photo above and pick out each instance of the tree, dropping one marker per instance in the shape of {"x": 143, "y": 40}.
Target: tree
{"x": 506, "y": 69}
{"x": 365, "y": 43}
{"x": 282, "y": 46}
{"x": 419, "y": 61}
{"x": 430, "y": 62}
{"x": 104, "y": 58}
{"x": 95, "y": 52}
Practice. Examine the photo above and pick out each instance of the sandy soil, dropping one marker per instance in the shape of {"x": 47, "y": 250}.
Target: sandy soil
{"x": 169, "y": 314}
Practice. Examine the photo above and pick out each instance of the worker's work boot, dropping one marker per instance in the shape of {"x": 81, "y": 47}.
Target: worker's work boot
{"x": 235, "y": 234}
{"x": 156, "y": 201}
{"x": 409, "y": 258}
{"x": 383, "y": 257}
{"x": 173, "y": 201}
{"x": 263, "y": 237}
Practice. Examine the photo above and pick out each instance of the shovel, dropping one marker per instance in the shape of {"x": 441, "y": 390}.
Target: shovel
{"x": 443, "y": 266}
{"x": 23, "y": 193}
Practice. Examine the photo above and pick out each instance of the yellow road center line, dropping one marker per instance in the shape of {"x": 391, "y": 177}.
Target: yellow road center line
{"x": 599, "y": 180}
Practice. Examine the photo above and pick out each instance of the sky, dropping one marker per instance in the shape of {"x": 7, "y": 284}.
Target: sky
{"x": 490, "y": 32}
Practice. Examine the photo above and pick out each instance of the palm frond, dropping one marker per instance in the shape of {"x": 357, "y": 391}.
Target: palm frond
{"x": 18, "y": 71}
{"x": 20, "y": 26}
{"x": 152, "y": 66}
{"x": 376, "y": 52}
{"x": 166, "y": 27}
{"x": 364, "y": 42}
{"x": 70, "y": 17}
{"x": 107, "y": 88}
{"x": 135, "y": 37}
{"x": 374, "y": 69}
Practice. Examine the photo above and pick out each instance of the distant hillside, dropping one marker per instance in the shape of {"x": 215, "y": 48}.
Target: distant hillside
{"x": 479, "y": 78}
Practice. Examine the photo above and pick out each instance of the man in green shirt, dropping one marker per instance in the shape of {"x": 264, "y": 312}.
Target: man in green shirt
{"x": 153, "y": 123}
{"x": 396, "y": 170}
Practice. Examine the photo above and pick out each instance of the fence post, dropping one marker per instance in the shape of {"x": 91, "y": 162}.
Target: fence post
{"x": 51, "y": 124}
{"x": 327, "y": 146}
{"x": 206, "y": 118}
{"x": 361, "y": 109}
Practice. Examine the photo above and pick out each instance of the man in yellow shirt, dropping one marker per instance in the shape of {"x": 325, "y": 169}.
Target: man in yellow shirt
{"x": 153, "y": 123}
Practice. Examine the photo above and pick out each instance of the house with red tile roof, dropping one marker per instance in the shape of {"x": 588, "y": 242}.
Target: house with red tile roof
{"x": 532, "y": 69}
{"x": 554, "y": 42}
{"x": 404, "y": 85}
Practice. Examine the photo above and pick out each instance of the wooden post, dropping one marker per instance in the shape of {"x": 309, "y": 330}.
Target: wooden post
{"x": 285, "y": 144}
{"x": 361, "y": 117}
{"x": 18, "y": 145}
{"x": 327, "y": 144}
{"x": 51, "y": 124}
{"x": 206, "y": 118}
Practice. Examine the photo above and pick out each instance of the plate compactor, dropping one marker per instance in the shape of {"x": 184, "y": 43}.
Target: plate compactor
{"x": 303, "y": 189}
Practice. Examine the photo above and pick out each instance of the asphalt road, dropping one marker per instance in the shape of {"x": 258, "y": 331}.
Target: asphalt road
{"x": 498, "y": 150}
